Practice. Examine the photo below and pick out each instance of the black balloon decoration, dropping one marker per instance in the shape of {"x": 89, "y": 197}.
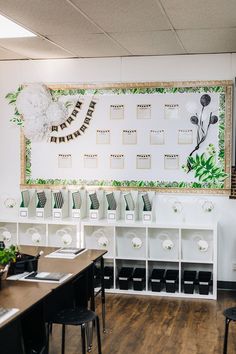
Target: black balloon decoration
{"x": 202, "y": 127}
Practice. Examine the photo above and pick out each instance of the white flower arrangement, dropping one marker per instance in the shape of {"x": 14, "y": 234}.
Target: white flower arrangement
{"x": 39, "y": 111}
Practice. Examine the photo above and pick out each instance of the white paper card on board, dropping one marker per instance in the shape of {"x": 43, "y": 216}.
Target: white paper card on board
{"x": 143, "y": 111}
{"x": 171, "y": 111}
{"x": 90, "y": 160}
{"x": 143, "y": 161}
{"x": 64, "y": 161}
{"x": 157, "y": 137}
{"x": 117, "y": 111}
{"x": 117, "y": 161}
{"x": 185, "y": 136}
{"x": 129, "y": 137}
{"x": 103, "y": 136}
{"x": 171, "y": 162}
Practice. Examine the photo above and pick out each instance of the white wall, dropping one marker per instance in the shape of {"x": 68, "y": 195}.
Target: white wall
{"x": 166, "y": 68}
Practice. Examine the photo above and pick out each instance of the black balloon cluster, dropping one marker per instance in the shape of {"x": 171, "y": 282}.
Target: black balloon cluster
{"x": 202, "y": 129}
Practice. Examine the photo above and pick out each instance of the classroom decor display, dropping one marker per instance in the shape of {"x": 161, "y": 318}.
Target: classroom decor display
{"x": 169, "y": 136}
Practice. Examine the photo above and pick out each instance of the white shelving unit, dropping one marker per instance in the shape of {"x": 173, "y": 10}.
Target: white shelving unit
{"x": 128, "y": 244}
{"x": 41, "y": 232}
{"x": 183, "y": 240}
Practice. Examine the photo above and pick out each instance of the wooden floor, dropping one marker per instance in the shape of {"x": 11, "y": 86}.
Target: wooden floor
{"x": 153, "y": 325}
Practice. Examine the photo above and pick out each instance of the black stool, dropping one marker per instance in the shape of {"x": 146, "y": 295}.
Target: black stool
{"x": 230, "y": 315}
{"x": 78, "y": 317}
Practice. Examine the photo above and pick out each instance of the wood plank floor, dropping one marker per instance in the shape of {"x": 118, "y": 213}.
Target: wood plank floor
{"x": 153, "y": 325}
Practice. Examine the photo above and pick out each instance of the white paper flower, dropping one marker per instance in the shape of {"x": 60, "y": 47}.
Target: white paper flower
{"x": 36, "y": 127}
{"x": 33, "y": 100}
{"x": 56, "y": 113}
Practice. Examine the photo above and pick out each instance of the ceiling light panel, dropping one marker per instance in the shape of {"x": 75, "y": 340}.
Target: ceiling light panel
{"x": 9, "y": 29}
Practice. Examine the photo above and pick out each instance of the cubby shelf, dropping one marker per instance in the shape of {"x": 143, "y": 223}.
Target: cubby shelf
{"x": 150, "y": 246}
{"x": 169, "y": 243}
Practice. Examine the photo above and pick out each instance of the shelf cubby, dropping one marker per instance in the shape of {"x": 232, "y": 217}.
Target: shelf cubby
{"x": 131, "y": 243}
{"x": 158, "y": 241}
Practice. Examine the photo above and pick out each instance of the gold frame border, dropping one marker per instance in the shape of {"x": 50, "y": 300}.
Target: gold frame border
{"x": 228, "y": 135}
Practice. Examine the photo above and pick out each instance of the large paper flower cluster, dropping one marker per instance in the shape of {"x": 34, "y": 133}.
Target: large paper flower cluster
{"x": 35, "y": 104}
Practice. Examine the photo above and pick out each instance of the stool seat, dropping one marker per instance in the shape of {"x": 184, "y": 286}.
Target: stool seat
{"x": 74, "y": 316}
{"x": 230, "y": 313}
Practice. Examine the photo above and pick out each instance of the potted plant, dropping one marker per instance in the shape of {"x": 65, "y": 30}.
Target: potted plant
{"x": 7, "y": 256}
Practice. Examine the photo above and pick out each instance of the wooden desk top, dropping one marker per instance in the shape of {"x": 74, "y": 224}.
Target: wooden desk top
{"x": 22, "y": 295}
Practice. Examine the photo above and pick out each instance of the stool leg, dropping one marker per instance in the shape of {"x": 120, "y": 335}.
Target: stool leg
{"x": 227, "y": 322}
{"x": 98, "y": 335}
{"x": 89, "y": 335}
{"x": 63, "y": 339}
{"x": 83, "y": 338}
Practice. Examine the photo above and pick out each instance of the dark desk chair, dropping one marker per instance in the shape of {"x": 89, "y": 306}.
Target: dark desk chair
{"x": 230, "y": 315}
{"x": 69, "y": 306}
{"x": 78, "y": 317}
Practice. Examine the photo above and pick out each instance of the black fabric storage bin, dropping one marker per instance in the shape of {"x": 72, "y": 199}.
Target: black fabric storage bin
{"x": 204, "y": 282}
{"x": 139, "y": 279}
{"x": 24, "y": 263}
{"x": 157, "y": 279}
{"x": 108, "y": 277}
{"x": 171, "y": 280}
{"x": 124, "y": 277}
{"x": 189, "y": 281}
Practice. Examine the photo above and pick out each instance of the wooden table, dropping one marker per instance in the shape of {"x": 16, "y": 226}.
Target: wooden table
{"x": 27, "y": 296}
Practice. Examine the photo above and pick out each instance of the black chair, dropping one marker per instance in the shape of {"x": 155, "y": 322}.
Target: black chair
{"x": 69, "y": 306}
{"x": 230, "y": 315}
{"x": 78, "y": 317}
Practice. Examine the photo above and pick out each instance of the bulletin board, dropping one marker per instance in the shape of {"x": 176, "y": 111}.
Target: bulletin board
{"x": 173, "y": 136}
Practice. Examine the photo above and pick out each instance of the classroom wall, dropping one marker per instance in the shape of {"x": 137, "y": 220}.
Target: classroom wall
{"x": 165, "y": 68}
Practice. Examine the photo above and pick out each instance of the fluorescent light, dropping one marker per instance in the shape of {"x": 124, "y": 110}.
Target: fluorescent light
{"x": 9, "y": 29}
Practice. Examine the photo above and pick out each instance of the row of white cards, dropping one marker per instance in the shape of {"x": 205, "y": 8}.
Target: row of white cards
{"x": 156, "y": 137}
{"x": 117, "y": 161}
{"x": 144, "y": 111}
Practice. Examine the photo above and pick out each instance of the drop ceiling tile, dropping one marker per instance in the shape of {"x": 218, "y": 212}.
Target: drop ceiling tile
{"x": 149, "y": 43}
{"x": 190, "y": 14}
{"x": 8, "y": 55}
{"x": 90, "y": 45}
{"x": 209, "y": 40}
{"x": 47, "y": 17}
{"x": 124, "y": 15}
{"x": 34, "y": 48}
